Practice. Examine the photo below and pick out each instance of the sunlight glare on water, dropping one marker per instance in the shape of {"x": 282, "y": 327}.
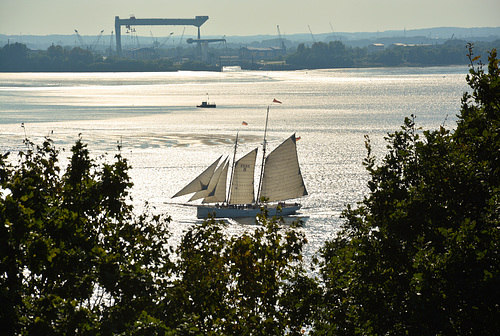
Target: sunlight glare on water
{"x": 168, "y": 141}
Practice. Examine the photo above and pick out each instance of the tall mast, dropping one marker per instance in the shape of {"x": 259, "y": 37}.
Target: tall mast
{"x": 232, "y": 168}
{"x": 263, "y": 157}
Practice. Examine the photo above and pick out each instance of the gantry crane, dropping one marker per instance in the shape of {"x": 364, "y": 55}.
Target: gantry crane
{"x": 94, "y": 45}
{"x": 164, "y": 42}
{"x": 281, "y": 42}
{"x": 198, "y": 21}
{"x": 82, "y": 42}
{"x": 155, "y": 41}
{"x": 110, "y": 44}
{"x": 84, "y": 45}
{"x": 314, "y": 40}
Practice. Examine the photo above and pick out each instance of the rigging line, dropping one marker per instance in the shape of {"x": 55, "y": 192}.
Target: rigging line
{"x": 232, "y": 169}
{"x": 263, "y": 158}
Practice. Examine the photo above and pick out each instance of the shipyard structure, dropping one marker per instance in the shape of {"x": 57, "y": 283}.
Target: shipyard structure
{"x": 198, "y": 21}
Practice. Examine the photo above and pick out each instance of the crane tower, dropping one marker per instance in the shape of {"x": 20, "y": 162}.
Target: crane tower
{"x": 198, "y": 21}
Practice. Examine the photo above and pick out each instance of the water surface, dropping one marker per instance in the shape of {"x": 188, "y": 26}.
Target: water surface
{"x": 168, "y": 141}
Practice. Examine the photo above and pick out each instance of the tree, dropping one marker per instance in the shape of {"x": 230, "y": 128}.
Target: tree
{"x": 420, "y": 255}
{"x": 75, "y": 258}
{"x": 322, "y": 55}
{"x": 80, "y": 59}
{"x": 390, "y": 57}
{"x": 236, "y": 285}
{"x": 56, "y": 52}
{"x": 13, "y": 57}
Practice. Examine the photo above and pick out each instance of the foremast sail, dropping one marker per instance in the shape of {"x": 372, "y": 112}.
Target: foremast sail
{"x": 282, "y": 178}
{"x": 216, "y": 191}
{"x": 242, "y": 185}
{"x": 201, "y": 182}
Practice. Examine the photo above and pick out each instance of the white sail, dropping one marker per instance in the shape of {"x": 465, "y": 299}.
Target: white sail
{"x": 242, "y": 189}
{"x": 282, "y": 178}
{"x": 201, "y": 182}
{"x": 211, "y": 184}
{"x": 216, "y": 191}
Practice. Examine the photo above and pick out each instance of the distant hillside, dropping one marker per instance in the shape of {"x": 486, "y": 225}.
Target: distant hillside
{"x": 443, "y": 33}
{"x": 428, "y": 36}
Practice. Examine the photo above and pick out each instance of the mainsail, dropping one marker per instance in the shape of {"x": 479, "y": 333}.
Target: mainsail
{"x": 201, "y": 182}
{"x": 242, "y": 189}
{"x": 282, "y": 178}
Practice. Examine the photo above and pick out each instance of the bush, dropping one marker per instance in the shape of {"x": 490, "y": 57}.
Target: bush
{"x": 421, "y": 253}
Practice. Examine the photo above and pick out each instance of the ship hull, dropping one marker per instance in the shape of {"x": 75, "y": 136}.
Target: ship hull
{"x": 207, "y": 105}
{"x": 239, "y": 211}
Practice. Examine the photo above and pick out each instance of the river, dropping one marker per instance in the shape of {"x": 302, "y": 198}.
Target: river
{"x": 168, "y": 140}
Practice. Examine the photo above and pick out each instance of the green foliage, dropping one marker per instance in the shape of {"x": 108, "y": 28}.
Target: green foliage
{"x": 236, "y": 285}
{"x": 337, "y": 55}
{"x": 75, "y": 259}
{"x": 322, "y": 55}
{"x": 17, "y": 57}
{"x": 421, "y": 253}
{"x": 13, "y": 56}
{"x": 334, "y": 54}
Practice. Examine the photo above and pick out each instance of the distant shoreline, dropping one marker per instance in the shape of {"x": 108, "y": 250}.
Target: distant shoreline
{"x": 265, "y": 68}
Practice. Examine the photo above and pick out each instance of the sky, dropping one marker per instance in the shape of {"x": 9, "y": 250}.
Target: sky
{"x": 246, "y": 17}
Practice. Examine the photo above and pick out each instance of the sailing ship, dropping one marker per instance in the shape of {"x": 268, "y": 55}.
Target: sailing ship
{"x": 280, "y": 180}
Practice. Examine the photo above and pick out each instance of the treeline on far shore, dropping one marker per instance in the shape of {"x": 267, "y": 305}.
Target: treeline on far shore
{"x": 17, "y": 57}
{"x": 337, "y": 55}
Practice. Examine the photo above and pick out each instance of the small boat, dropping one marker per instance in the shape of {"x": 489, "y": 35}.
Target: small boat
{"x": 280, "y": 180}
{"x": 207, "y": 104}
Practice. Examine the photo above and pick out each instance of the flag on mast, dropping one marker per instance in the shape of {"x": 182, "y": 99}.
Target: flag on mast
{"x": 276, "y": 101}
{"x": 244, "y": 123}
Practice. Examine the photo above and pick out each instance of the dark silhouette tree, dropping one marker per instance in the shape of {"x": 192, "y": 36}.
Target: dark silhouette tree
{"x": 75, "y": 259}
{"x": 421, "y": 253}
